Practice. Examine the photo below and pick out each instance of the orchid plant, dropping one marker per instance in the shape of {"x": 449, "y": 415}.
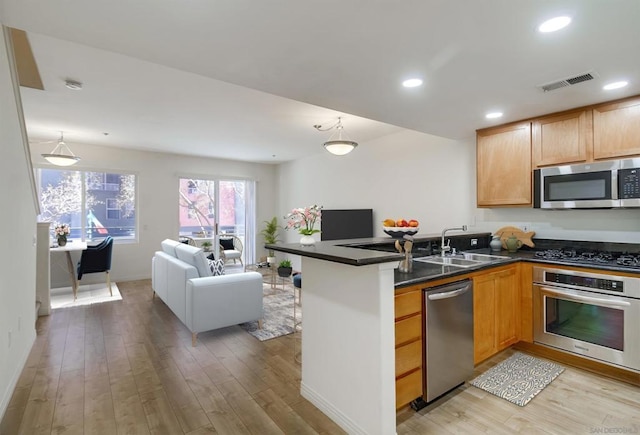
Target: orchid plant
{"x": 303, "y": 219}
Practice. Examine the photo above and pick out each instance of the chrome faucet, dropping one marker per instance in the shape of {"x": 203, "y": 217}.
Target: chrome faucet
{"x": 445, "y": 248}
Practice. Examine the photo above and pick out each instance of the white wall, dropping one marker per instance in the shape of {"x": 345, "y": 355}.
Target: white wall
{"x": 157, "y": 208}
{"x": 18, "y": 253}
{"x": 407, "y": 175}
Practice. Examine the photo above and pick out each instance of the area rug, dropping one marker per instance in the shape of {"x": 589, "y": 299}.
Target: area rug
{"x": 278, "y": 314}
{"x": 87, "y": 295}
{"x": 519, "y": 378}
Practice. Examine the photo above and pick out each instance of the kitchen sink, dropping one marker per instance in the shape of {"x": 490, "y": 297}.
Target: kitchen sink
{"x": 483, "y": 258}
{"x": 464, "y": 259}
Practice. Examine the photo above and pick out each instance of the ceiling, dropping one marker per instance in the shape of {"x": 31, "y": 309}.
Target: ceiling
{"x": 248, "y": 80}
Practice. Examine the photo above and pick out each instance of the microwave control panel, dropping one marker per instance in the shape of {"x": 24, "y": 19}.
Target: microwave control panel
{"x": 629, "y": 183}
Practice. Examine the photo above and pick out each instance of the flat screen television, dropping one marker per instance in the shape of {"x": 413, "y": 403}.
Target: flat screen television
{"x": 346, "y": 224}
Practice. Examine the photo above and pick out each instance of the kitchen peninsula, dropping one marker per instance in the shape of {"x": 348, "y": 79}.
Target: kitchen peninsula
{"x": 348, "y": 334}
{"x": 355, "y": 298}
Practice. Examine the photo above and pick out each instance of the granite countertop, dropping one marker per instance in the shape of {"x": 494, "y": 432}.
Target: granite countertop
{"x": 331, "y": 251}
{"x": 361, "y": 252}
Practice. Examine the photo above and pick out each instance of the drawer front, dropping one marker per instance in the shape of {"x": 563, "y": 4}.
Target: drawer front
{"x": 408, "y": 357}
{"x": 409, "y": 329}
{"x": 408, "y": 303}
{"x": 408, "y": 388}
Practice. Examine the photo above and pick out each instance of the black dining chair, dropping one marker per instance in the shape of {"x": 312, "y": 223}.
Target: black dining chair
{"x": 97, "y": 259}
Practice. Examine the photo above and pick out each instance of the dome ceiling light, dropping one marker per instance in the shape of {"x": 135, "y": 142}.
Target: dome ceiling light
{"x": 61, "y": 154}
{"x": 339, "y": 146}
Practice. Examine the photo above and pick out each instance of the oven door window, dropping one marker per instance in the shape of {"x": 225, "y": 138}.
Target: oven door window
{"x": 589, "y": 323}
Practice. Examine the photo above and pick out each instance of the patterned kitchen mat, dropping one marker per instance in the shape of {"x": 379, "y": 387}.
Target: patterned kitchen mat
{"x": 519, "y": 378}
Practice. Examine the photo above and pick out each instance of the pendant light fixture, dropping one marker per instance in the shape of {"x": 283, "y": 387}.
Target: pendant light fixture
{"x": 338, "y": 146}
{"x": 61, "y": 154}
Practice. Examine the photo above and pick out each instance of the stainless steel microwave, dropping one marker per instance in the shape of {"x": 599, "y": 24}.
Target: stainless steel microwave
{"x": 608, "y": 184}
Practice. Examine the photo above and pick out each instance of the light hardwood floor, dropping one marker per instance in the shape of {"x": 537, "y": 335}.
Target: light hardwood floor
{"x": 128, "y": 368}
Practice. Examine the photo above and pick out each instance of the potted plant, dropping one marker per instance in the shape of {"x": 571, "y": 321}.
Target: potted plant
{"x": 303, "y": 220}
{"x": 61, "y": 232}
{"x": 206, "y": 246}
{"x": 270, "y": 234}
{"x": 284, "y": 268}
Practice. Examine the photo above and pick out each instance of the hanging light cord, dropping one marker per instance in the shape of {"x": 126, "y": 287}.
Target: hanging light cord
{"x": 337, "y": 124}
{"x": 62, "y": 147}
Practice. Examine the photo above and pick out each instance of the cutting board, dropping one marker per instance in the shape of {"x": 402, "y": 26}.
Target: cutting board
{"x": 524, "y": 237}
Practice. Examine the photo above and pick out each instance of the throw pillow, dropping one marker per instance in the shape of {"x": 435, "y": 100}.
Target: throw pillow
{"x": 217, "y": 267}
{"x": 227, "y": 244}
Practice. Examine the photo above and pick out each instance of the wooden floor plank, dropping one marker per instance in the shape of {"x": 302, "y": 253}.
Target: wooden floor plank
{"x": 128, "y": 409}
{"x": 99, "y": 416}
{"x": 68, "y": 416}
{"x": 222, "y": 416}
{"x": 160, "y": 415}
{"x": 128, "y": 367}
{"x": 38, "y": 414}
{"x": 282, "y": 414}
{"x": 251, "y": 414}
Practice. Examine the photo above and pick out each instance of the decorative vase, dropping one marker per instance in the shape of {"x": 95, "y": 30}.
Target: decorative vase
{"x": 307, "y": 240}
{"x": 495, "y": 244}
{"x": 513, "y": 244}
{"x": 62, "y": 240}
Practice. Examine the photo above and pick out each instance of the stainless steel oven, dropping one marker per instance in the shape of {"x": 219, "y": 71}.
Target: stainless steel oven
{"x": 594, "y": 315}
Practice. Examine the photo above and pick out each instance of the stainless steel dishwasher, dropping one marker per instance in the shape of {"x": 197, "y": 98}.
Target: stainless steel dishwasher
{"x": 449, "y": 337}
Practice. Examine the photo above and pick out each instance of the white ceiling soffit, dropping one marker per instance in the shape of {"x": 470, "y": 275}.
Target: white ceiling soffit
{"x": 147, "y": 106}
{"x": 351, "y": 56}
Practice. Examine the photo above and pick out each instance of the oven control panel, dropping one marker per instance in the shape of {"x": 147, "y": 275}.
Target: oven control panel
{"x": 629, "y": 183}
{"x": 606, "y": 283}
{"x": 584, "y": 281}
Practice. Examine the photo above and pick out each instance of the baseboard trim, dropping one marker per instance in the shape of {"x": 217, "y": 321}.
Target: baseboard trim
{"x": 6, "y": 397}
{"x": 327, "y": 408}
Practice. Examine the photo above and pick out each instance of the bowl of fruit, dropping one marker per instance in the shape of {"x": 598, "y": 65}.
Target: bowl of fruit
{"x": 400, "y": 228}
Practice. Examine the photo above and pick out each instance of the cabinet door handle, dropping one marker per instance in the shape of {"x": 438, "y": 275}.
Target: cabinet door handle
{"x": 447, "y": 295}
{"x": 587, "y": 299}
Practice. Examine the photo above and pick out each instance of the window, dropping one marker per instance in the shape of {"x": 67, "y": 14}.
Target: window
{"x": 197, "y": 201}
{"x": 113, "y": 210}
{"x": 94, "y": 204}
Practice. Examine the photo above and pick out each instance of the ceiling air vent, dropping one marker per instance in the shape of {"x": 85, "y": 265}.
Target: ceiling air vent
{"x": 569, "y": 81}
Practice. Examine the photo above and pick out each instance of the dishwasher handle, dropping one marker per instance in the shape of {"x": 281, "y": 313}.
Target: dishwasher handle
{"x": 449, "y": 294}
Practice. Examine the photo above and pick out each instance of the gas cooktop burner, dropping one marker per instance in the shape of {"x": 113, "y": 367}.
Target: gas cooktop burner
{"x": 628, "y": 260}
{"x": 591, "y": 257}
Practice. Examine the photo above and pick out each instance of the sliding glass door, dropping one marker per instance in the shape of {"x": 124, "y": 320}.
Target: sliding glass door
{"x": 225, "y": 204}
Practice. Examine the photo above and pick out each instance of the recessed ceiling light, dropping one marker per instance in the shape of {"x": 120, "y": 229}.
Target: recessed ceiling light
{"x": 412, "y": 83}
{"x": 615, "y": 85}
{"x": 554, "y": 24}
{"x": 493, "y": 115}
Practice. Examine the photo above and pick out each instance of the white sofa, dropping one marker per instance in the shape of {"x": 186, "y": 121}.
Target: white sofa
{"x": 181, "y": 277}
